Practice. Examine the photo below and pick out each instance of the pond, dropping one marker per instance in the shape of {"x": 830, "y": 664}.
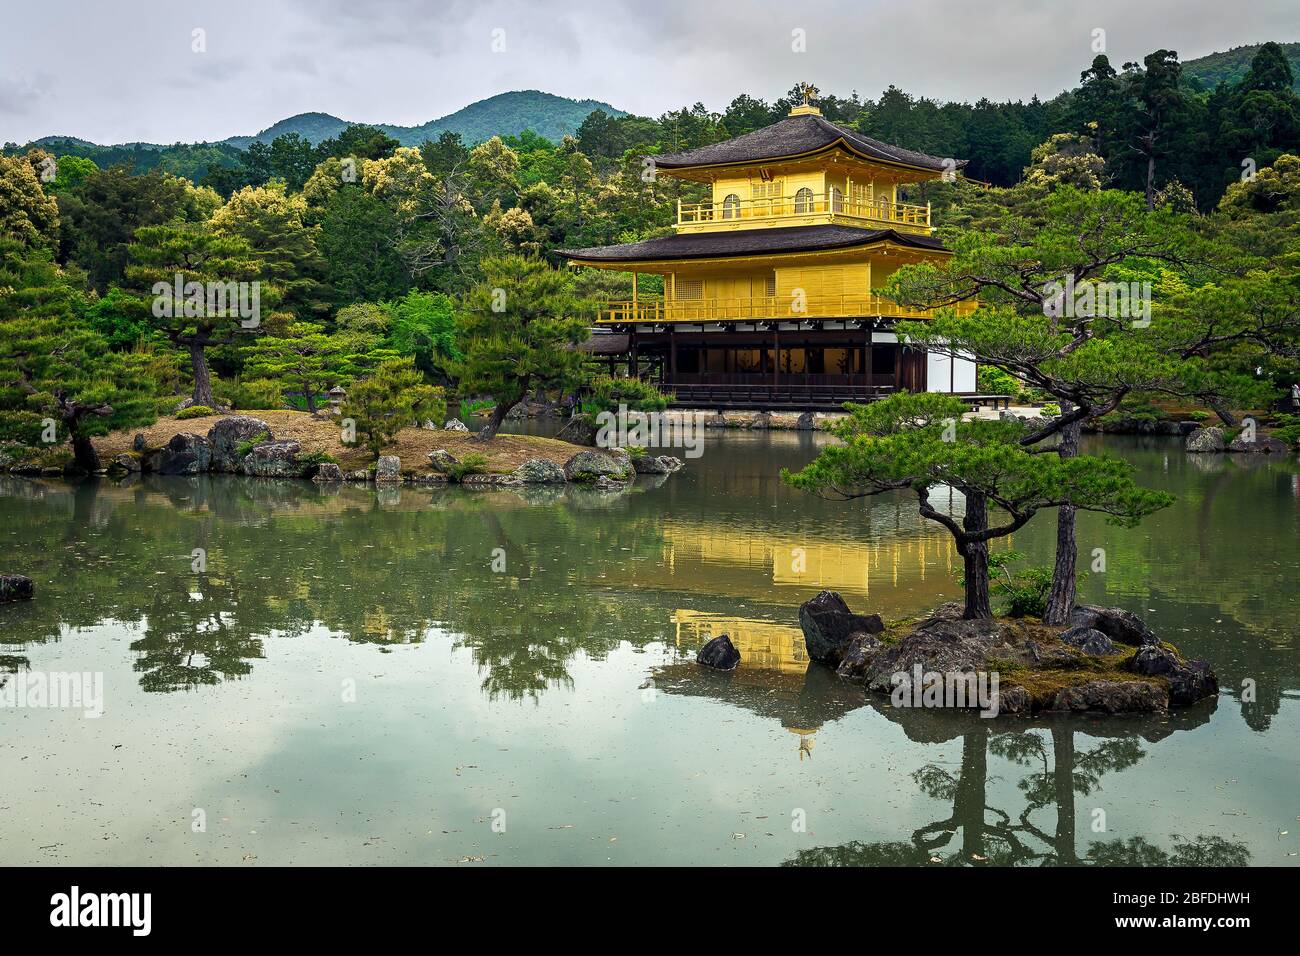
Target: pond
{"x": 479, "y": 677}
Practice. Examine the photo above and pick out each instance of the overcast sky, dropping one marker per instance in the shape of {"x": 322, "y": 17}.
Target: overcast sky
{"x": 116, "y": 71}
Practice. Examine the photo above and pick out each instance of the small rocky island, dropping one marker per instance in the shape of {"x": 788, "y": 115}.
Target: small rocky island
{"x": 1105, "y": 661}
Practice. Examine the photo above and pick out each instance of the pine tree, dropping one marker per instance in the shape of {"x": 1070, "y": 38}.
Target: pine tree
{"x": 920, "y": 442}
{"x": 179, "y": 268}
{"x": 394, "y": 397}
{"x": 521, "y": 331}
{"x": 54, "y": 367}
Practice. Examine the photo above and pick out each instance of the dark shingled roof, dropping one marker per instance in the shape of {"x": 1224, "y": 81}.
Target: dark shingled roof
{"x": 749, "y": 242}
{"x": 795, "y": 136}
{"x": 605, "y": 343}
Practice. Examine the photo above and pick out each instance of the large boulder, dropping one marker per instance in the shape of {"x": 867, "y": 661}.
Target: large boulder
{"x": 1089, "y": 640}
{"x": 388, "y": 468}
{"x": 657, "y": 465}
{"x": 719, "y": 653}
{"x": 761, "y": 421}
{"x": 1189, "y": 681}
{"x": 579, "y": 430}
{"x": 829, "y": 626}
{"x": 16, "y": 587}
{"x": 1112, "y": 697}
{"x": 590, "y": 466}
{"x": 125, "y": 461}
{"x": 326, "y": 472}
{"x": 1262, "y": 445}
{"x": 442, "y": 461}
{"x": 1119, "y": 625}
{"x": 938, "y": 645}
{"x": 1206, "y": 440}
{"x": 274, "y": 459}
{"x": 227, "y": 435}
{"x": 539, "y": 471}
{"x": 185, "y": 454}
{"x": 858, "y": 656}
{"x": 455, "y": 425}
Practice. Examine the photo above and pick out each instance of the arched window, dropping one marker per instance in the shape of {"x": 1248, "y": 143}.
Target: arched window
{"x": 837, "y": 199}
{"x": 803, "y": 200}
{"x": 731, "y": 207}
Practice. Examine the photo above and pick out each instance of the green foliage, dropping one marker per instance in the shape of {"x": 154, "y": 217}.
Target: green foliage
{"x": 608, "y": 392}
{"x": 272, "y": 224}
{"x": 472, "y": 464}
{"x": 361, "y": 263}
{"x": 316, "y": 458}
{"x": 423, "y": 326}
{"x": 27, "y": 214}
{"x": 101, "y": 214}
{"x": 252, "y": 394}
{"x": 121, "y": 318}
{"x": 991, "y": 380}
{"x": 1025, "y": 590}
{"x": 194, "y": 411}
{"x": 393, "y": 398}
{"x": 1051, "y": 409}
{"x": 53, "y": 367}
{"x": 1287, "y": 428}
{"x": 520, "y": 333}
{"x": 311, "y": 362}
{"x": 244, "y": 448}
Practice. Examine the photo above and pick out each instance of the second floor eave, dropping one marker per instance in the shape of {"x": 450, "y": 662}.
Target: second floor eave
{"x": 661, "y": 254}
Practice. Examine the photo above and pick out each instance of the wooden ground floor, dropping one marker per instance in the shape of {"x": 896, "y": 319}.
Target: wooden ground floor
{"x": 792, "y": 367}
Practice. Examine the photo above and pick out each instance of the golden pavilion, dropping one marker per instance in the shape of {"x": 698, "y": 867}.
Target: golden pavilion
{"x": 768, "y": 297}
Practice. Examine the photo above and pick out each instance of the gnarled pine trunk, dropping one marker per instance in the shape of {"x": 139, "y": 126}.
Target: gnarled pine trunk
{"x": 499, "y": 414}
{"x": 202, "y": 377}
{"x": 975, "y": 556}
{"x": 84, "y": 456}
{"x": 1060, "y": 602}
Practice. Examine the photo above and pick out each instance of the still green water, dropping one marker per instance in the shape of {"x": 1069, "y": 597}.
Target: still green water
{"x": 351, "y": 682}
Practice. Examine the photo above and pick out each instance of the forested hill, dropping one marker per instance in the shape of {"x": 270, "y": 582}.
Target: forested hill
{"x": 506, "y": 114}
{"x": 1231, "y": 66}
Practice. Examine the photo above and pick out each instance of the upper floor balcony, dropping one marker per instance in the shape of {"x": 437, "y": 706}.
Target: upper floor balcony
{"x": 803, "y": 208}
{"x": 764, "y": 308}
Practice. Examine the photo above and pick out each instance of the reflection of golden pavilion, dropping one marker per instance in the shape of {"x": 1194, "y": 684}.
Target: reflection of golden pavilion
{"x": 850, "y": 567}
{"x": 762, "y": 644}
{"x": 774, "y": 678}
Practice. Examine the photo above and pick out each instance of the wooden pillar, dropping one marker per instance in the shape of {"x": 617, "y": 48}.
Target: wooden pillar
{"x": 776, "y": 355}
{"x": 866, "y": 356}
{"x": 631, "y": 362}
{"x": 898, "y": 365}
{"x": 672, "y": 355}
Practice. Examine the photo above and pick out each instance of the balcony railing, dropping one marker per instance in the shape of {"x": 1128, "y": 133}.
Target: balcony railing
{"x": 767, "y": 307}
{"x": 805, "y": 205}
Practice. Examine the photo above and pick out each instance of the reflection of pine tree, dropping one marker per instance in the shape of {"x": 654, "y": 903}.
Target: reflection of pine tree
{"x": 1201, "y": 850}
{"x": 190, "y": 639}
{"x": 1003, "y": 842}
{"x": 1070, "y": 773}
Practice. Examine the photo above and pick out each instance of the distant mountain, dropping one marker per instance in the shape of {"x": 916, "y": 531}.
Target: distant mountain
{"x": 506, "y": 114}
{"x": 1232, "y": 65}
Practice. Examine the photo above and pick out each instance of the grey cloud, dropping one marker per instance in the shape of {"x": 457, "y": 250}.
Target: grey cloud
{"x": 126, "y": 70}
